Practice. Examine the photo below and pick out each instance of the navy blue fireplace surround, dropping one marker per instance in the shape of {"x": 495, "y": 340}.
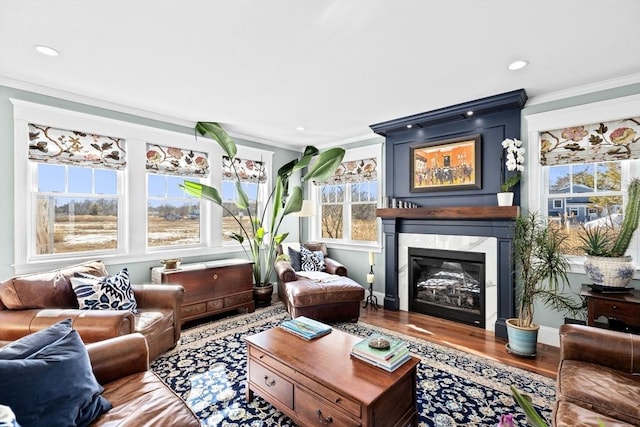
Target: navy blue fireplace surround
{"x": 470, "y": 212}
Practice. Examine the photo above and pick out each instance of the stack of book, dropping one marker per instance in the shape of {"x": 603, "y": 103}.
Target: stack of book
{"x": 305, "y": 328}
{"x": 389, "y": 358}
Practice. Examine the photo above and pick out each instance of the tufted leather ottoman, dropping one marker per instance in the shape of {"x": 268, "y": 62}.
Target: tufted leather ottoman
{"x": 336, "y": 300}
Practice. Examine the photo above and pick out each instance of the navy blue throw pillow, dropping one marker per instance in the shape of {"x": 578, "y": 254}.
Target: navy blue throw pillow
{"x": 294, "y": 259}
{"x": 47, "y": 381}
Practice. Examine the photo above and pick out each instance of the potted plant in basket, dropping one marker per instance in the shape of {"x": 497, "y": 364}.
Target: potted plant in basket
{"x": 605, "y": 245}
{"x": 263, "y": 237}
{"x": 514, "y": 163}
{"x": 541, "y": 274}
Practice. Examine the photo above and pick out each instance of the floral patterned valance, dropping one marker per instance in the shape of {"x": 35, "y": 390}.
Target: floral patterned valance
{"x": 176, "y": 161}
{"x": 248, "y": 170}
{"x": 598, "y": 142}
{"x": 354, "y": 171}
{"x": 60, "y": 146}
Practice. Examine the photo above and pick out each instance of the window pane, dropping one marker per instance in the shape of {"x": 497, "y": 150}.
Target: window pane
{"x": 608, "y": 176}
{"x": 229, "y": 224}
{"x": 50, "y": 178}
{"x": 332, "y": 221}
{"x": 559, "y": 177}
{"x": 106, "y": 181}
{"x": 173, "y": 222}
{"x": 363, "y": 222}
{"x": 173, "y": 186}
{"x": 157, "y": 185}
{"x": 583, "y": 178}
{"x": 65, "y": 224}
{"x": 80, "y": 180}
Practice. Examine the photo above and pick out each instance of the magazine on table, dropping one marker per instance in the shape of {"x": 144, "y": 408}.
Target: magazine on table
{"x": 305, "y": 327}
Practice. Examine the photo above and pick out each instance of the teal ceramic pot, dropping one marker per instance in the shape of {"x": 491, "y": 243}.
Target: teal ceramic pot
{"x": 522, "y": 341}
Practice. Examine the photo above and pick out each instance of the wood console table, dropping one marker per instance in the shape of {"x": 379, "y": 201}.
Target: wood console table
{"x": 211, "y": 287}
{"x": 614, "y": 306}
{"x": 317, "y": 383}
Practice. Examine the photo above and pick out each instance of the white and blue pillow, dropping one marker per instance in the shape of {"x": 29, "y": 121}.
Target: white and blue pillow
{"x": 311, "y": 261}
{"x": 104, "y": 293}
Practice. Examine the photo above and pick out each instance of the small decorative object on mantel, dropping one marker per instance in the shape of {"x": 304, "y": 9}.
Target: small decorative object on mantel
{"x": 514, "y": 164}
{"x": 371, "y": 278}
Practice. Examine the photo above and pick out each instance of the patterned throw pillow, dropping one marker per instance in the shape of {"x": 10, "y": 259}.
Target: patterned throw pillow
{"x": 104, "y": 293}
{"x": 311, "y": 261}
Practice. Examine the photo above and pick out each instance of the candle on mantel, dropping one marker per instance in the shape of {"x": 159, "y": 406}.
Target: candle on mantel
{"x": 371, "y": 259}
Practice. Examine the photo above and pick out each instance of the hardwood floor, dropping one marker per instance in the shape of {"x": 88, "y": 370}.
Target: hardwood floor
{"x": 462, "y": 337}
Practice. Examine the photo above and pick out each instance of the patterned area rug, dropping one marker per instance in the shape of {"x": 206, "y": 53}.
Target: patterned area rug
{"x": 208, "y": 370}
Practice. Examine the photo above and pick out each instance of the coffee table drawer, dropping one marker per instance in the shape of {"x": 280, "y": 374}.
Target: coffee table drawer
{"x": 337, "y": 399}
{"x": 317, "y": 413}
{"x": 269, "y": 361}
{"x": 272, "y": 383}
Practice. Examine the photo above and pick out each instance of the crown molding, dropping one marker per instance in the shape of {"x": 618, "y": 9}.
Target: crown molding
{"x": 584, "y": 89}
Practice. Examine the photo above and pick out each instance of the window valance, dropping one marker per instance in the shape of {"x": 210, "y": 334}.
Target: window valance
{"x": 598, "y": 142}
{"x": 353, "y": 171}
{"x": 248, "y": 170}
{"x": 60, "y": 146}
{"x": 176, "y": 161}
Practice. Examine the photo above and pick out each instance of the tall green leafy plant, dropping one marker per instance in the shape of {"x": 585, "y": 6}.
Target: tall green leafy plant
{"x": 541, "y": 267}
{"x": 262, "y": 240}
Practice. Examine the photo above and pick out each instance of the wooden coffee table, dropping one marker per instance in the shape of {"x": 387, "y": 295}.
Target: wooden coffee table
{"x": 317, "y": 383}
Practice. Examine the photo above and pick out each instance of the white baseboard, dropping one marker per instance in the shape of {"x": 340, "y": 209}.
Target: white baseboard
{"x": 548, "y": 335}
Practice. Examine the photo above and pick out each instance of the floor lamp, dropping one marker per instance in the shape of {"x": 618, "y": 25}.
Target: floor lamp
{"x": 308, "y": 210}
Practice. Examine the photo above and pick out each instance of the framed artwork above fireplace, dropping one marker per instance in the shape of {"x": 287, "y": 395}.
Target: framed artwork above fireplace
{"x": 452, "y": 164}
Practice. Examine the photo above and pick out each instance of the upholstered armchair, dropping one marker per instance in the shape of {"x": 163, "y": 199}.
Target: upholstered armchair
{"x": 325, "y": 295}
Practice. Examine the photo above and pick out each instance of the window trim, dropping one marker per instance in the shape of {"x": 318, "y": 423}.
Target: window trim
{"x": 368, "y": 151}
{"x": 537, "y": 176}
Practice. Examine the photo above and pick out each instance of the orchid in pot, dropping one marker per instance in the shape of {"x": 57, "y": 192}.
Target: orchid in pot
{"x": 261, "y": 239}
{"x": 513, "y": 161}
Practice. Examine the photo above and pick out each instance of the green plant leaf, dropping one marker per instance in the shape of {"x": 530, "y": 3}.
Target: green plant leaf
{"x": 202, "y": 191}
{"x": 242, "y": 200}
{"x": 277, "y": 203}
{"x": 308, "y": 154}
{"x": 294, "y": 201}
{"x": 326, "y": 164}
{"x": 237, "y": 237}
{"x": 280, "y": 238}
{"x": 215, "y": 131}
{"x": 533, "y": 417}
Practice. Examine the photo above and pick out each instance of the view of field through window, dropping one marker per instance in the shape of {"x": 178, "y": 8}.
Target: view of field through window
{"x": 359, "y": 202}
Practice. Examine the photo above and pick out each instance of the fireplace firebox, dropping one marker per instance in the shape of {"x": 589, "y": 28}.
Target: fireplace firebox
{"x": 448, "y": 284}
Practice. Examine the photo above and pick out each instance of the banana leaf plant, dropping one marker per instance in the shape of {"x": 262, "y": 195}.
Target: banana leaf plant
{"x": 263, "y": 237}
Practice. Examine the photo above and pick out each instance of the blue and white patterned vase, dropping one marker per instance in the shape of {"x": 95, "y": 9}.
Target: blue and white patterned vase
{"x": 608, "y": 271}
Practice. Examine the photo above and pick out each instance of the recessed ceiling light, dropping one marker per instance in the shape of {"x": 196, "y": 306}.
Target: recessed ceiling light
{"x": 516, "y": 65}
{"x": 301, "y": 128}
{"x": 46, "y": 50}
{"x": 469, "y": 113}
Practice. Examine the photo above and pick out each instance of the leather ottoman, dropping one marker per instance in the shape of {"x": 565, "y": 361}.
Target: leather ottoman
{"x": 335, "y": 300}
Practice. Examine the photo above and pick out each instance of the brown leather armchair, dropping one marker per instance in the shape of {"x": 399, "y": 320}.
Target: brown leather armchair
{"x": 33, "y": 302}
{"x": 138, "y": 396}
{"x": 598, "y": 378}
{"x": 334, "y": 299}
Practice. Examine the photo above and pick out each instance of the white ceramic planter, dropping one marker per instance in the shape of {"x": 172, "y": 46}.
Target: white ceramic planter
{"x": 607, "y": 271}
{"x": 505, "y": 199}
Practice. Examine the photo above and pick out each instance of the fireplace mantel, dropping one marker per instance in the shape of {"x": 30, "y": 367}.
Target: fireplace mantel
{"x": 452, "y": 212}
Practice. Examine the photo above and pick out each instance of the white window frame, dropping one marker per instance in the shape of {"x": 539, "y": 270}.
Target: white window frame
{"x": 133, "y": 240}
{"x": 365, "y": 152}
{"x": 537, "y": 176}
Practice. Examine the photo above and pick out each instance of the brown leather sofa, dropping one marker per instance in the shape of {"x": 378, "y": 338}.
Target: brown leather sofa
{"x": 33, "y": 302}
{"x": 334, "y": 300}
{"x": 598, "y": 378}
{"x": 138, "y": 396}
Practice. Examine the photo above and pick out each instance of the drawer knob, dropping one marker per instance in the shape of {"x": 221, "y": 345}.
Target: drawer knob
{"x": 338, "y": 400}
{"x": 215, "y": 276}
{"x": 324, "y": 421}
{"x": 268, "y": 382}
{"x": 615, "y": 307}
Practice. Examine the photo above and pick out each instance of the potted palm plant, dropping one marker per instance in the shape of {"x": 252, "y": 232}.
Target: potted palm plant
{"x": 263, "y": 237}
{"x": 605, "y": 244}
{"x": 541, "y": 274}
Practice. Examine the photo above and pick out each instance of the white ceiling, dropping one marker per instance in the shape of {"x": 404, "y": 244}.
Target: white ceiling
{"x": 262, "y": 68}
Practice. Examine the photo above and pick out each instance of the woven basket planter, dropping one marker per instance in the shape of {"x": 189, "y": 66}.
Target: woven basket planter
{"x": 614, "y": 272}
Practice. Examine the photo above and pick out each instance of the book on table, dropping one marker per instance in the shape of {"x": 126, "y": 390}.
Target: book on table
{"x": 306, "y": 328}
{"x": 389, "y": 357}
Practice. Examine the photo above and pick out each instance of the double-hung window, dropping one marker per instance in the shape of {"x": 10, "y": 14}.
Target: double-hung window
{"x": 582, "y": 159}
{"x": 76, "y": 191}
{"x": 348, "y": 200}
{"x": 173, "y": 217}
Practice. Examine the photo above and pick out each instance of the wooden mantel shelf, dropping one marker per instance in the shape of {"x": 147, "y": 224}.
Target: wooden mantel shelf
{"x": 452, "y": 212}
